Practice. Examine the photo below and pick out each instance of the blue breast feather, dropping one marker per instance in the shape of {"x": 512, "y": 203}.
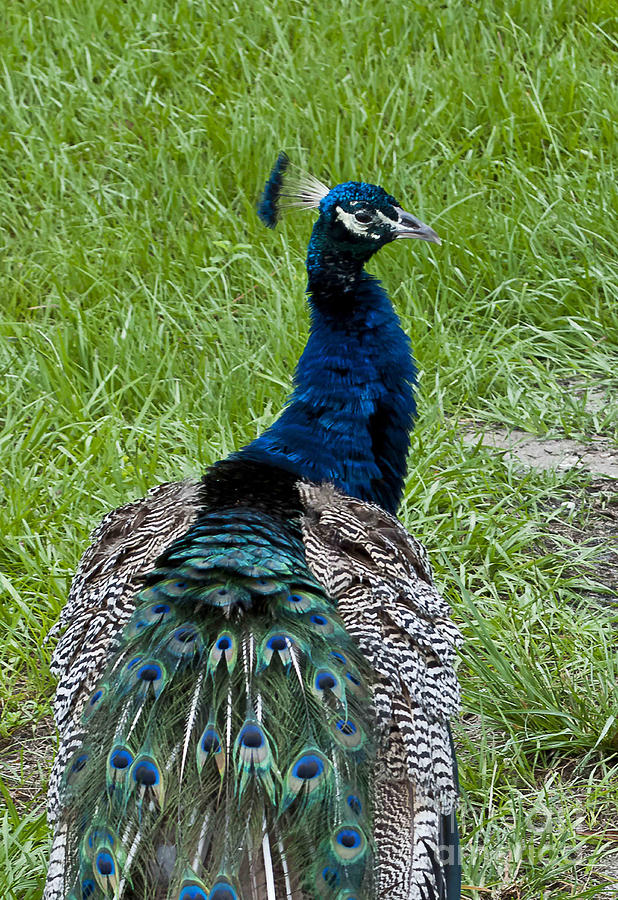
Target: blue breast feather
{"x": 351, "y": 410}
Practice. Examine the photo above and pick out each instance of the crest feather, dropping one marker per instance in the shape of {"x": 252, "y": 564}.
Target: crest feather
{"x": 288, "y": 190}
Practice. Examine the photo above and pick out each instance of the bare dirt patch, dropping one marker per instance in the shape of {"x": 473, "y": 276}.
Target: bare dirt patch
{"x": 596, "y": 455}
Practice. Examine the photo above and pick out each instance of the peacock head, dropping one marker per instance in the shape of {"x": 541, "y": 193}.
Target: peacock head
{"x": 360, "y": 218}
{"x": 355, "y": 219}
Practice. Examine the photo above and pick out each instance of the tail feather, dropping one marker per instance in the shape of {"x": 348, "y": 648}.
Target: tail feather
{"x": 233, "y": 684}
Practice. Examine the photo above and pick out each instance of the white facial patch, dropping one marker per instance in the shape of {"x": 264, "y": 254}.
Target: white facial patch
{"x": 386, "y": 219}
{"x": 359, "y": 228}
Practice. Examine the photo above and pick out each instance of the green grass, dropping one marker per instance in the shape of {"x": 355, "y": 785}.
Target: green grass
{"x": 150, "y": 325}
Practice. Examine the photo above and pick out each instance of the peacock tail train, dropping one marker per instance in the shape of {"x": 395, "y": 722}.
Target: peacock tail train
{"x": 255, "y": 672}
{"x": 234, "y": 684}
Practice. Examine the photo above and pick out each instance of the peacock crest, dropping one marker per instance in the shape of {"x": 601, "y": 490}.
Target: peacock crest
{"x": 289, "y": 187}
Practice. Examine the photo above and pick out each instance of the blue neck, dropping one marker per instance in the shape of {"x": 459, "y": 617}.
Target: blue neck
{"x": 350, "y": 414}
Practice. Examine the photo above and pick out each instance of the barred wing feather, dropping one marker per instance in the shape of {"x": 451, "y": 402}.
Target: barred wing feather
{"x": 382, "y": 581}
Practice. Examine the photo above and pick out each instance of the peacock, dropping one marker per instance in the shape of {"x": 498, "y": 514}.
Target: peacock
{"x": 255, "y": 669}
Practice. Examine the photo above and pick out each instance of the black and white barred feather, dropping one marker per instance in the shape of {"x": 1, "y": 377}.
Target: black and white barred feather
{"x": 382, "y": 580}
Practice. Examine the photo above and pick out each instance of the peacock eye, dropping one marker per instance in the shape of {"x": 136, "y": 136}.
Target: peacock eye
{"x": 363, "y": 217}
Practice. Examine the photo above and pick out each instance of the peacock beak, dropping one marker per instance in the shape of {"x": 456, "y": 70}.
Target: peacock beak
{"x": 407, "y": 226}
